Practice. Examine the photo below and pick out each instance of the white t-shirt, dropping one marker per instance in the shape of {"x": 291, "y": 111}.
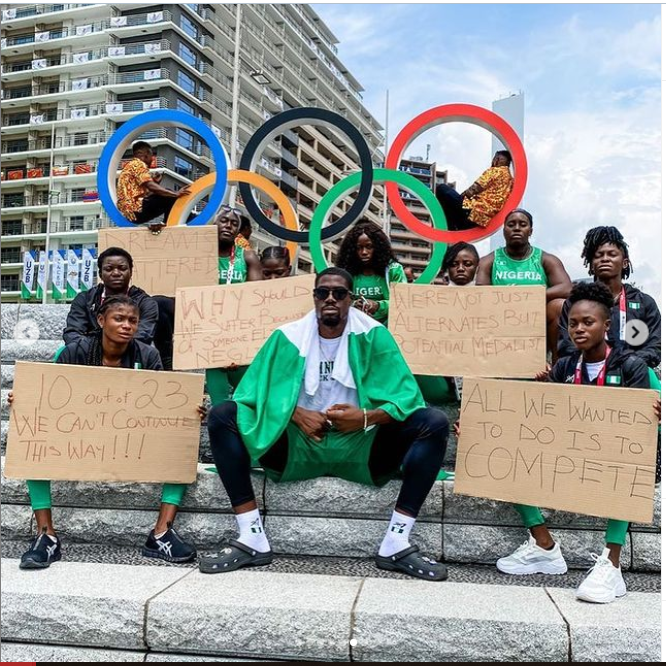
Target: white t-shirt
{"x": 593, "y": 369}
{"x": 330, "y": 392}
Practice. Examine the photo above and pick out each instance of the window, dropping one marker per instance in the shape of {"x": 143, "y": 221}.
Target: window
{"x": 189, "y": 27}
{"x": 182, "y": 105}
{"x": 187, "y": 54}
{"x": 183, "y": 166}
{"x": 17, "y": 146}
{"x": 12, "y": 228}
{"x": 76, "y": 223}
{"x": 184, "y": 139}
{"x": 9, "y": 283}
{"x": 11, "y": 255}
{"x": 187, "y": 83}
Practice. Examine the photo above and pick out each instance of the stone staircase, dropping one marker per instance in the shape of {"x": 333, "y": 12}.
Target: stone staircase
{"x": 310, "y": 606}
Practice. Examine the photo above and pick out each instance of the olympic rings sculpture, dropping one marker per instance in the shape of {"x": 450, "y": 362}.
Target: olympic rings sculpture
{"x": 214, "y": 184}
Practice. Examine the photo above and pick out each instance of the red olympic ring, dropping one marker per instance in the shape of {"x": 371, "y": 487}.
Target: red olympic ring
{"x": 465, "y": 113}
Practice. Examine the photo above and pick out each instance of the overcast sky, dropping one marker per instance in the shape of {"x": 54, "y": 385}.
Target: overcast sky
{"x": 591, "y": 79}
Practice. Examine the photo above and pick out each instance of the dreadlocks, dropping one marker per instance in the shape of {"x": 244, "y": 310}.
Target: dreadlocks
{"x": 96, "y": 352}
{"x": 382, "y": 255}
{"x": 599, "y": 236}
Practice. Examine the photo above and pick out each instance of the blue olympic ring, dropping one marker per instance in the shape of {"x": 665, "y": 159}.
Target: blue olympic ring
{"x": 123, "y": 136}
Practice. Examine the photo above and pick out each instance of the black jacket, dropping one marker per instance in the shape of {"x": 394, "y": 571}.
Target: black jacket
{"x": 639, "y": 306}
{"x": 623, "y": 369}
{"x": 82, "y": 317}
{"x": 138, "y": 355}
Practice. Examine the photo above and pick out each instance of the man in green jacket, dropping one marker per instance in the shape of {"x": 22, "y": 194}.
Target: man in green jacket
{"x": 329, "y": 395}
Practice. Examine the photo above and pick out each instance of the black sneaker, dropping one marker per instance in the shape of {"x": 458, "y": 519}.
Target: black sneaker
{"x": 169, "y": 547}
{"x": 43, "y": 550}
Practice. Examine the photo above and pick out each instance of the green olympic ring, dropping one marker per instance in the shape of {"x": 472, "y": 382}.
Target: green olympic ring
{"x": 350, "y": 183}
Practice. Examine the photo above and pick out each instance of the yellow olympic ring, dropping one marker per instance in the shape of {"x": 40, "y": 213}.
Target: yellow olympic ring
{"x": 204, "y": 185}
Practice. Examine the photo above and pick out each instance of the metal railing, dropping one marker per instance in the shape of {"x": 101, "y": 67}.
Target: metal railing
{"x": 135, "y": 20}
{"x": 26, "y": 11}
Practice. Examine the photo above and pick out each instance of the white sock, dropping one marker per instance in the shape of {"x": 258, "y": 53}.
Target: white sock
{"x": 397, "y": 535}
{"x": 251, "y": 531}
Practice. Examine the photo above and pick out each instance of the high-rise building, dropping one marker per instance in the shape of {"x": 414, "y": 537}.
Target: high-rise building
{"x": 73, "y": 73}
{"x": 411, "y": 250}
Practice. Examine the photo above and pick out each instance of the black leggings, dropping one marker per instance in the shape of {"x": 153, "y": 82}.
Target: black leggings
{"x": 418, "y": 444}
{"x": 452, "y": 204}
{"x": 166, "y": 306}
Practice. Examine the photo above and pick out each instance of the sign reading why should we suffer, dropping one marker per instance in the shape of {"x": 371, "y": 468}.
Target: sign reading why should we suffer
{"x": 470, "y": 331}
{"x": 585, "y": 449}
{"x": 219, "y": 326}
{"x": 176, "y": 257}
{"x": 103, "y": 424}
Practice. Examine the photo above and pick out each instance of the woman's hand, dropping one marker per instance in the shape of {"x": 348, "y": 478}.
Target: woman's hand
{"x": 656, "y": 406}
{"x": 456, "y": 428}
{"x": 202, "y": 411}
{"x": 544, "y": 374}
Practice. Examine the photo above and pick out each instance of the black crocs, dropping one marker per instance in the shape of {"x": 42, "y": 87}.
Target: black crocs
{"x": 234, "y": 556}
{"x": 410, "y": 562}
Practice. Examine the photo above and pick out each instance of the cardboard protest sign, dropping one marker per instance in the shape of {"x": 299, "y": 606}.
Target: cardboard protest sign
{"x": 103, "y": 424}
{"x": 584, "y": 449}
{"x": 218, "y": 326}
{"x": 470, "y": 331}
{"x": 176, "y": 257}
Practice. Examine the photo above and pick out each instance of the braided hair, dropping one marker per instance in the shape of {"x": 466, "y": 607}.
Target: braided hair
{"x": 454, "y": 250}
{"x": 276, "y": 252}
{"x": 96, "y": 351}
{"x": 382, "y": 255}
{"x": 599, "y": 236}
{"x": 593, "y": 291}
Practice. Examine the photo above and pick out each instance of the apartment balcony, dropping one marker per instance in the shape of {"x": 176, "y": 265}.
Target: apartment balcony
{"x": 14, "y": 17}
{"x": 117, "y": 111}
{"x": 20, "y": 203}
{"x": 42, "y": 147}
{"x": 36, "y": 230}
{"x": 120, "y": 26}
{"x": 40, "y": 175}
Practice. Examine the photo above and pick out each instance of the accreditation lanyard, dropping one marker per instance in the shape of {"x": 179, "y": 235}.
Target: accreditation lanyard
{"x": 232, "y": 260}
{"x": 601, "y": 377}
{"x": 623, "y": 314}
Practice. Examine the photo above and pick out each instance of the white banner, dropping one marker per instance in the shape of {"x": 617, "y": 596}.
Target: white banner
{"x": 28, "y": 278}
{"x": 80, "y": 84}
{"x": 37, "y": 120}
{"x": 58, "y": 274}
{"x": 152, "y": 48}
{"x": 3, "y": 43}
{"x": 87, "y": 280}
{"x": 77, "y": 114}
{"x": 72, "y": 274}
{"x": 155, "y": 17}
{"x": 151, "y": 74}
{"x": 216, "y": 131}
{"x": 151, "y": 104}
{"x": 118, "y": 21}
{"x": 39, "y": 63}
{"x": 8, "y": 14}
{"x": 83, "y": 30}
{"x": 114, "y": 108}
{"x": 115, "y": 51}
{"x": 79, "y": 58}
{"x": 41, "y": 274}
{"x": 42, "y": 36}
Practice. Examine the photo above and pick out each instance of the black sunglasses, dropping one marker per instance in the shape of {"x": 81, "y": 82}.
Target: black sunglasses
{"x": 322, "y": 293}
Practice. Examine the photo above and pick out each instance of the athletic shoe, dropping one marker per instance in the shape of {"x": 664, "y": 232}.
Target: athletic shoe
{"x": 169, "y": 547}
{"x": 531, "y": 559}
{"x": 43, "y": 550}
{"x": 604, "y": 582}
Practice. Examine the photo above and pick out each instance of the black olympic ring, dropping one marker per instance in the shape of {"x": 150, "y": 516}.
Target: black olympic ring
{"x": 287, "y": 120}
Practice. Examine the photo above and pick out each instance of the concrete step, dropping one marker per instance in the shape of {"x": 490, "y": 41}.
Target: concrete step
{"x": 7, "y": 376}
{"x": 323, "y": 517}
{"x": 38, "y": 351}
{"x": 271, "y": 615}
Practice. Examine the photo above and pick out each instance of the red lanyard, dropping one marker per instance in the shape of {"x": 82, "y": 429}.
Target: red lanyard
{"x": 601, "y": 377}
{"x": 623, "y": 314}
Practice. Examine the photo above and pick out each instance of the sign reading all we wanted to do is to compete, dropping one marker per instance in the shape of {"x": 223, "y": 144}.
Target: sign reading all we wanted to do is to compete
{"x": 584, "y": 449}
{"x": 470, "y": 331}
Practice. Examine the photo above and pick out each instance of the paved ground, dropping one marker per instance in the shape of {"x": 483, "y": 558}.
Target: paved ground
{"x": 335, "y": 566}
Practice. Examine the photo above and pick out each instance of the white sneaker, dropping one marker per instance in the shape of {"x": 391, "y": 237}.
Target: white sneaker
{"x": 604, "y": 582}
{"x": 530, "y": 559}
